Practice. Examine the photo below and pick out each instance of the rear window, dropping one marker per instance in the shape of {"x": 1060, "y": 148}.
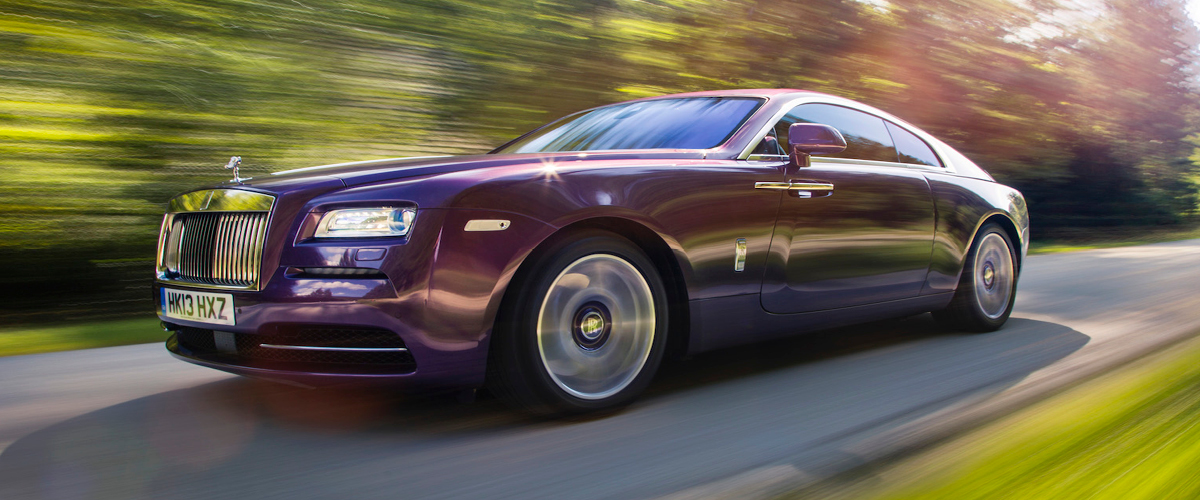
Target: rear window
{"x": 676, "y": 123}
{"x": 911, "y": 148}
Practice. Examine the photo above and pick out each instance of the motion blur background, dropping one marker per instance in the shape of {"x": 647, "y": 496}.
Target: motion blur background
{"x": 108, "y": 108}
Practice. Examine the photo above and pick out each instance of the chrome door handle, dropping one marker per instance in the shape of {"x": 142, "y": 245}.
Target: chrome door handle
{"x": 810, "y": 186}
{"x": 777, "y": 186}
{"x": 795, "y": 186}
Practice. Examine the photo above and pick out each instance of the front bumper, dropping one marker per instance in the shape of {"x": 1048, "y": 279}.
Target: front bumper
{"x": 344, "y": 332}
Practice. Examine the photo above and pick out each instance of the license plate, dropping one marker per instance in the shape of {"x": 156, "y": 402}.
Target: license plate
{"x": 204, "y": 307}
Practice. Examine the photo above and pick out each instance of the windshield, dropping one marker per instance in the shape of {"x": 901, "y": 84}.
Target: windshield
{"x": 680, "y": 123}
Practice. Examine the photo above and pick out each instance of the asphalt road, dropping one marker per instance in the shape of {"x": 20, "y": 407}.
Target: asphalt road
{"x": 131, "y": 422}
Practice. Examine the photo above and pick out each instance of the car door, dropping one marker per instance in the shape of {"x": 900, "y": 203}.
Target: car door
{"x": 866, "y": 240}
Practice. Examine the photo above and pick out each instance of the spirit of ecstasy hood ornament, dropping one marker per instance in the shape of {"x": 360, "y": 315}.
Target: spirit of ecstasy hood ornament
{"x": 234, "y": 162}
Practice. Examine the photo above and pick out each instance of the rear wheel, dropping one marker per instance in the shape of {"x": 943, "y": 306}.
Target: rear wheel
{"x": 988, "y": 285}
{"x": 584, "y": 331}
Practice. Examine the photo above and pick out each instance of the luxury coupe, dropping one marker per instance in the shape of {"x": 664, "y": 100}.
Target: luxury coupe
{"x": 561, "y": 268}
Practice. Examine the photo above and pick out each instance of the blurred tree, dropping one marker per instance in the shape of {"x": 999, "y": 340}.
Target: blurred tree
{"x": 1134, "y": 96}
{"x": 107, "y": 108}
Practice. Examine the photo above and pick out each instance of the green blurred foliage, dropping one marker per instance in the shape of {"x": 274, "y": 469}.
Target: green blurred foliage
{"x": 80, "y": 335}
{"x": 108, "y": 108}
{"x": 1131, "y": 434}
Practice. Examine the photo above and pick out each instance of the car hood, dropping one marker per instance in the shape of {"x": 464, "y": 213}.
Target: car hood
{"x": 366, "y": 172}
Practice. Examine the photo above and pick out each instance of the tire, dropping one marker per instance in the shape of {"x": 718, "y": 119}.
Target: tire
{"x": 584, "y": 329}
{"x": 987, "y": 287}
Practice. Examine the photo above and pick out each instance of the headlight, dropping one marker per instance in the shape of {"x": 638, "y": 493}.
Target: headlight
{"x": 366, "y": 222}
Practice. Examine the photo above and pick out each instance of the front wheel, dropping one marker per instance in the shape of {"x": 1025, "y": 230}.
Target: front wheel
{"x": 584, "y": 331}
{"x": 988, "y": 285}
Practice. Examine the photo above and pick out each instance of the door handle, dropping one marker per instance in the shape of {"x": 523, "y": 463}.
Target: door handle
{"x": 810, "y": 186}
{"x": 776, "y": 186}
{"x": 795, "y": 186}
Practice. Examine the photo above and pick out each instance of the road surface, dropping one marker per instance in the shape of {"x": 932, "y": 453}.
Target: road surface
{"x": 132, "y": 422}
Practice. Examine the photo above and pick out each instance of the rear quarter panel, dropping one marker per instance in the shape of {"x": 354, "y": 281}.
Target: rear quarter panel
{"x": 963, "y": 204}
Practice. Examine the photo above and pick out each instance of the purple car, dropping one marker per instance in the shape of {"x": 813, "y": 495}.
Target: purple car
{"x": 562, "y": 267}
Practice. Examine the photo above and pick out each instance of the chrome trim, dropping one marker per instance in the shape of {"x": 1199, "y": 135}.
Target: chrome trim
{"x": 222, "y": 249}
{"x": 775, "y": 186}
{"x": 486, "y": 225}
{"x": 849, "y": 161}
{"x": 766, "y": 157}
{"x": 794, "y": 186}
{"x": 342, "y": 349}
{"x": 160, "y": 255}
{"x": 206, "y": 286}
{"x": 873, "y": 163}
{"x": 810, "y": 186}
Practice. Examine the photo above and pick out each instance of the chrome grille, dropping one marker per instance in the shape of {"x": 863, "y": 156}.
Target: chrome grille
{"x": 214, "y": 248}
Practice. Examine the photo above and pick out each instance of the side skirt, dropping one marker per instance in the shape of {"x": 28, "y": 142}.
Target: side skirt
{"x": 740, "y": 319}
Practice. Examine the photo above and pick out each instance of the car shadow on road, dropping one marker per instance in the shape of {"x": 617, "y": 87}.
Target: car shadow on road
{"x": 875, "y": 337}
{"x": 241, "y": 437}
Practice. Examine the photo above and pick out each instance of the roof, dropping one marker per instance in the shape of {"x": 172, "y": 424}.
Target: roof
{"x": 739, "y": 92}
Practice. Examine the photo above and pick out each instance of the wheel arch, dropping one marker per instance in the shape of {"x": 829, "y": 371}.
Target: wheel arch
{"x": 1010, "y": 228}
{"x": 656, "y": 247}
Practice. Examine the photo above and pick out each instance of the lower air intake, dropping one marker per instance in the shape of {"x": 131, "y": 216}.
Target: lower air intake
{"x": 317, "y": 349}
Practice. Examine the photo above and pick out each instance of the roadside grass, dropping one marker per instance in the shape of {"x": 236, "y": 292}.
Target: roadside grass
{"x": 84, "y": 335}
{"x": 1132, "y": 434}
{"x": 1092, "y": 238}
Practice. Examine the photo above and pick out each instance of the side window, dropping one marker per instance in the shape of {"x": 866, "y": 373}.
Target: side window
{"x": 866, "y": 136}
{"x": 911, "y": 148}
{"x": 769, "y": 145}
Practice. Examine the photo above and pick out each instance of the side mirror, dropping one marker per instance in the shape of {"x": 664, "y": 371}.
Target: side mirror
{"x": 807, "y": 139}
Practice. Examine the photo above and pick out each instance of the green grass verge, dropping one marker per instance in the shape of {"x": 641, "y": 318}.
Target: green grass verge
{"x": 1130, "y": 435}
{"x": 84, "y": 335}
